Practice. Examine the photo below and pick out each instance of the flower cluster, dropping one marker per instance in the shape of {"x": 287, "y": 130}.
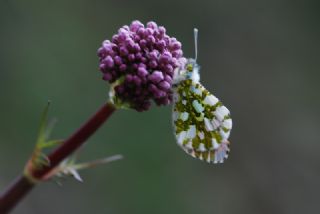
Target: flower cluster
{"x": 140, "y": 61}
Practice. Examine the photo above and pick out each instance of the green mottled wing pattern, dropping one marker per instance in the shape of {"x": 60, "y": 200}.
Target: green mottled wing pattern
{"x": 202, "y": 124}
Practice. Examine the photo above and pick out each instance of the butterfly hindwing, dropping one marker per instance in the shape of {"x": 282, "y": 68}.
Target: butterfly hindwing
{"x": 201, "y": 123}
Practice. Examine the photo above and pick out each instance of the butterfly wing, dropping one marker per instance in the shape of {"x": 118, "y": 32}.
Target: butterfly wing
{"x": 201, "y": 123}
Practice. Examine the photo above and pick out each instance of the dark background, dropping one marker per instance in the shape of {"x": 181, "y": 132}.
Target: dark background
{"x": 260, "y": 57}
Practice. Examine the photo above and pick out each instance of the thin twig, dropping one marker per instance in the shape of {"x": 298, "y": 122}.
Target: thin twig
{"x": 22, "y": 185}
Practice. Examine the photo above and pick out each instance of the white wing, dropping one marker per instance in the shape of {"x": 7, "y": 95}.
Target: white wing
{"x": 201, "y": 123}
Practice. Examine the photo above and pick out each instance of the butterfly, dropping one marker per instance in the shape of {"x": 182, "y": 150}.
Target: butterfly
{"x": 202, "y": 124}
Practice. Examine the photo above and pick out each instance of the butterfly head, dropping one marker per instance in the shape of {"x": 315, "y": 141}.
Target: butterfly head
{"x": 190, "y": 71}
{"x": 190, "y": 68}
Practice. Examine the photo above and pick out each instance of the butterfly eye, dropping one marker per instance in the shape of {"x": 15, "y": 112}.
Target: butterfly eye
{"x": 189, "y": 67}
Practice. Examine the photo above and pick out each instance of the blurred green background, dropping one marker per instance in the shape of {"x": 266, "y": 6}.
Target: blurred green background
{"x": 260, "y": 57}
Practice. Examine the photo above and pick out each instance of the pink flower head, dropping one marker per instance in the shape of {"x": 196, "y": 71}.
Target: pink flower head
{"x": 140, "y": 61}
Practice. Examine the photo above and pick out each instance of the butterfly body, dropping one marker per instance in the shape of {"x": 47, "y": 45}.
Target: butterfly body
{"x": 202, "y": 124}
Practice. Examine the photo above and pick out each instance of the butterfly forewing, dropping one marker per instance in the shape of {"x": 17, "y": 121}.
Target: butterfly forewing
{"x": 202, "y": 124}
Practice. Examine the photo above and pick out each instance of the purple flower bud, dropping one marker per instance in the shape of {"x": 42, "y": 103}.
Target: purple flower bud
{"x": 117, "y": 60}
{"x": 123, "y": 51}
{"x": 156, "y": 77}
{"x": 106, "y": 42}
{"x": 107, "y": 48}
{"x": 168, "y": 79}
{"x": 107, "y": 77}
{"x": 101, "y": 52}
{"x": 123, "y": 67}
{"x": 149, "y": 31}
{"x": 162, "y": 30}
{"x": 153, "y": 64}
{"x": 126, "y": 27}
{"x": 144, "y": 80}
{"x": 131, "y": 57}
{"x": 152, "y": 25}
{"x": 142, "y": 65}
{"x": 163, "y": 101}
{"x": 115, "y": 39}
{"x": 175, "y": 62}
{"x": 151, "y": 39}
{"x": 108, "y": 61}
{"x": 113, "y": 73}
{"x": 129, "y": 78}
{"x": 136, "y": 38}
{"x": 135, "y": 66}
{"x": 138, "y": 56}
{"x": 142, "y": 72}
{"x": 173, "y": 40}
{"x": 102, "y": 67}
{"x": 153, "y": 55}
{"x": 114, "y": 48}
{"x": 168, "y": 69}
{"x": 164, "y": 85}
{"x": 119, "y": 89}
{"x": 152, "y": 88}
{"x": 130, "y": 44}
{"x": 166, "y": 38}
{"x": 182, "y": 62}
{"x": 159, "y": 94}
{"x": 136, "y": 80}
{"x": 141, "y": 32}
{"x": 176, "y": 45}
{"x": 146, "y": 105}
{"x": 177, "y": 53}
{"x": 144, "y": 59}
{"x": 135, "y": 25}
{"x": 136, "y": 48}
{"x": 123, "y": 34}
{"x": 157, "y": 34}
{"x": 143, "y": 43}
{"x": 166, "y": 57}
{"x": 161, "y": 44}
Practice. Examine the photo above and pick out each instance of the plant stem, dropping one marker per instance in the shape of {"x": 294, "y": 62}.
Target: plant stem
{"x": 22, "y": 185}
{"x": 14, "y": 193}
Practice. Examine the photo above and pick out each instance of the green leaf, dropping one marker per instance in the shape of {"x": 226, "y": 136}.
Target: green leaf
{"x": 43, "y": 125}
{"x": 50, "y": 143}
{"x": 98, "y": 162}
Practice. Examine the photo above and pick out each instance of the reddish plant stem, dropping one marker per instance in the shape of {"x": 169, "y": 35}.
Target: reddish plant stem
{"x": 76, "y": 139}
{"x": 21, "y": 186}
{"x": 14, "y": 193}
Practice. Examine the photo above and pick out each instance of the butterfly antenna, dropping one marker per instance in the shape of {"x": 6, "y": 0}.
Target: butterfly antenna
{"x": 195, "y": 31}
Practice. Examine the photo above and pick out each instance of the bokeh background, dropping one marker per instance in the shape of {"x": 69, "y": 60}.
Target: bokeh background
{"x": 260, "y": 57}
